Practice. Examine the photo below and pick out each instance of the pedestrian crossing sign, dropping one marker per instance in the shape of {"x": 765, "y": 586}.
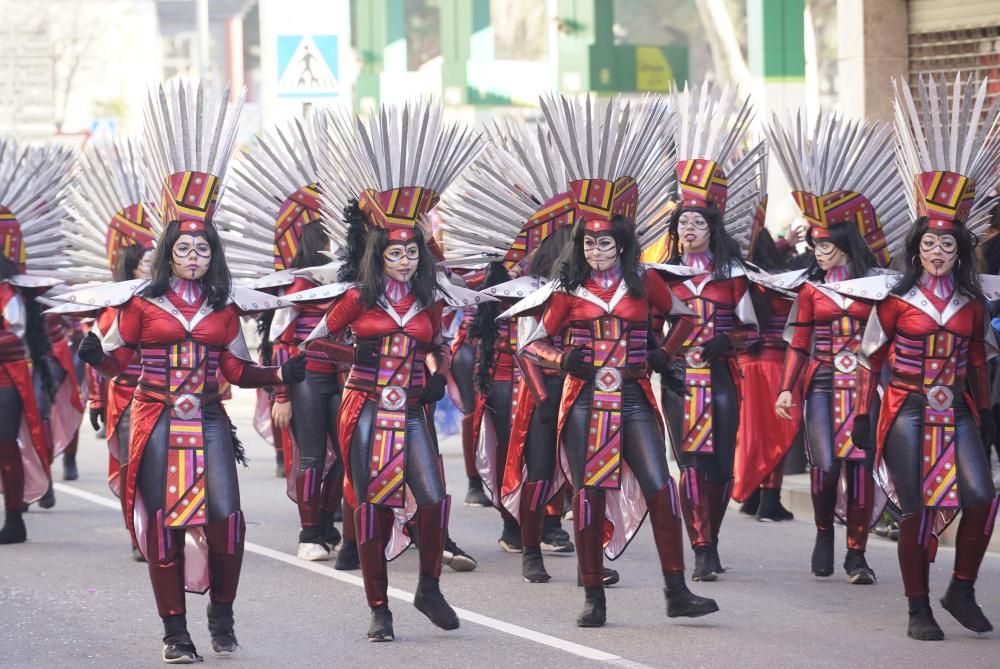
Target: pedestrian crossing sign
{"x": 308, "y": 66}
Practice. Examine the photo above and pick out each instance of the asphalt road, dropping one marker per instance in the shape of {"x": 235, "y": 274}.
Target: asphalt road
{"x": 72, "y": 597}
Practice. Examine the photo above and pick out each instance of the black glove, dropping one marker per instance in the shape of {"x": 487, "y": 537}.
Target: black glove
{"x": 987, "y": 430}
{"x": 673, "y": 383}
{"x": 294, "y": 370}
{"x": 861, "y": 432}
{"x": 715, "y": 347}
{"x": 366, "y": 351}
{"x": 91, "y": 351}
{"x": 96, "y": 418}
{"x": 433, "y": 388}
{"x": 659, "y": 360}
{"x": 574, "y": 363}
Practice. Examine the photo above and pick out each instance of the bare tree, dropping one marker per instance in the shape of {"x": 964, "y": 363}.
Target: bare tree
{"x": 721, "y": 35}
{"x": 76, "y": 27}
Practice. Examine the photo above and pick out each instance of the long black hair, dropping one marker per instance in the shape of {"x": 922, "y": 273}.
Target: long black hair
{"x": 128, "y": 261}
{"x": 357, "y": 233}
{"x": 313, "y": 241}
{"x": 545, "y": 260}
{"x": 574, "y": 268}
{"x": 964, "y": 272}
{"x": 846, "y": 237}
{"x": 371, "y": 277}
{"x": 484, "y": 329}
{"x": 217, "y": 281}
{"x": 725, "y": 250}
{"x": 36, "y": 334}
{"x": 766, "y": 254}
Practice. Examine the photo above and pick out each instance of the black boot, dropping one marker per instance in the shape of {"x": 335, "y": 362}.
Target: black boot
{"x": 177, "y": 645}
{"x": 822, "y": 557}
{"x": 48, "y": 500}
{"x": 14, "y": 531}
{"x": 595, "y": 609}
{"x": 858, "y": 571}
{"x": 380, "y": 627}
{"x": 751, "y": 504}
{"x": 771, "y": 509}
{"x": 715, "y": 563}
{"x": 703, "y": 564}
{"x": 682, "y": 603}
{"x": 70, "y": 471}
{"x": 510, "y": 539}
{"x": 279, "y": 463}
{"x": 331, "y": 535}
{"x": 430, "y": 602}
{"x": 554, "y": 538}
{"x": 609, "y": 577}
{"x": 532, "y": 566}
{"x": 347, "y": 558}
{"x": 220, "y": 626}
{"x": 922, "y": 625}
{"x": 960, "y": 602}
{"x": 476, "y": 496}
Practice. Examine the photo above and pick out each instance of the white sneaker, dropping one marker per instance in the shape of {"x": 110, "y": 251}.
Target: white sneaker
{"x": 313, "y": 552}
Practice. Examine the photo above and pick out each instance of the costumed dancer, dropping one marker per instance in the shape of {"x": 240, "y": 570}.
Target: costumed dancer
{"x": 184, "y": 324}
{"x": 32, "y": 185}
{"x": 509, "y": 208}
{"x": 717, "y": 197}
{"x": 611, "y": 440}
{"x": 111, "y": 239}
{"x": 274, "y": 204}
{"x": 762, "y": 442}
{"x": 933, "y": 333}
{"x": 391, "y": 300}
{"x": 843, "y": 180}
{"x": 62, "y": 411}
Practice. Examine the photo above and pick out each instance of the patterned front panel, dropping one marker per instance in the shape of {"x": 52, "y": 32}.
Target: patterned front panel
{"x": 938, "y": 362}
{"x": 698, "y": 423}
{"x": 844, "y": 335}
{"x": 393, "y": 378}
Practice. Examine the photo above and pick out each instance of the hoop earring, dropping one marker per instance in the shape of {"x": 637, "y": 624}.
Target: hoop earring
{"x": 915, "y": 261}
{"x": 958, "y": 264}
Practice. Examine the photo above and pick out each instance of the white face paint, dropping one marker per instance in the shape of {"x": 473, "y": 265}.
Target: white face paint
{"x": 400, "y": 261}
{"x": 938, "y": 253}
{"x": 190, "y": 257}
{"x": 601, "y": 251}
{"x": 693, "y": 232}
{"x": 829, "y": 255}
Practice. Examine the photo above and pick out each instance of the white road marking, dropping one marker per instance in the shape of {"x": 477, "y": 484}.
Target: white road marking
{"x": 464, "y": 614}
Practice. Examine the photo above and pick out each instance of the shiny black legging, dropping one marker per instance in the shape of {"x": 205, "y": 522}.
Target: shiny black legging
{"x": 717, "y": 467}
{"x": 463, "y": 364}
{"x": 540, "y": 445}
{"x": 315, "y": 407}
{"x": 11, "y": 467}
{"x": 903, "y": 456}
{"x": 498, "y": 404}
{"x": 222, "y": 489}
{"x": 818, "y": 412}
{"x": 424, "y": 478}
{"x": 122, "y": 432}
{"x": 643, "y": 448}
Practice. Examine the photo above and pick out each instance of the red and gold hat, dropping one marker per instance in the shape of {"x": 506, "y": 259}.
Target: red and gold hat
{"x": 298, "y": 210}
{"x": 397, "y": 209}
{"x": 945, "y": 198}
{"x": 12, "y": 240}
{"x": 189, "y": 197}
{"x": 131, "y": 225}
{"x": 702, "y": 183}
{"x": 757, "y": 225}
{"x": 559, "y": 212}
{"x": 823, "y": 211}
{"x": 600, "y": 200}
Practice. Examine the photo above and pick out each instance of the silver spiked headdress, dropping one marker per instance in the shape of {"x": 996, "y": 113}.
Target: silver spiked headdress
{"x": 396, "y": 163}
{"x": 948, "y": 150}
{"x": 841, "y": 171}
{"x": 714, "y": 169}
{"x": 510, "y": 199}
{"x": 189, "y": 136}
{"x": 112, "y": 207}
{"x": 273, "y": 194}
{"x": 33, "y": 184}
{"x": 618, "y": 156}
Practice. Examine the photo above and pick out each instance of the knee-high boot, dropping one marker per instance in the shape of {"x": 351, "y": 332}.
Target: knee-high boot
{"x": 432, "y": 527}
{"x": 860, "y": 494}
{"x": 698, "y": 519}
{"x": 225, "y": 562}
{"x": 915, "y": 549}
{"x": 347, "y": 558}
{"x": 165, "y": 557}
{"x": 307, "y": 491}
{"x": 974, "y": 532}
{"x": 824, "y": 499}
{"x": 532, "y": 511}
{"x": 588, "y": 527}
{"x": 12, "y": 479}
{"x": 373, "y": 524}
{"x": 719, "y": 495}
